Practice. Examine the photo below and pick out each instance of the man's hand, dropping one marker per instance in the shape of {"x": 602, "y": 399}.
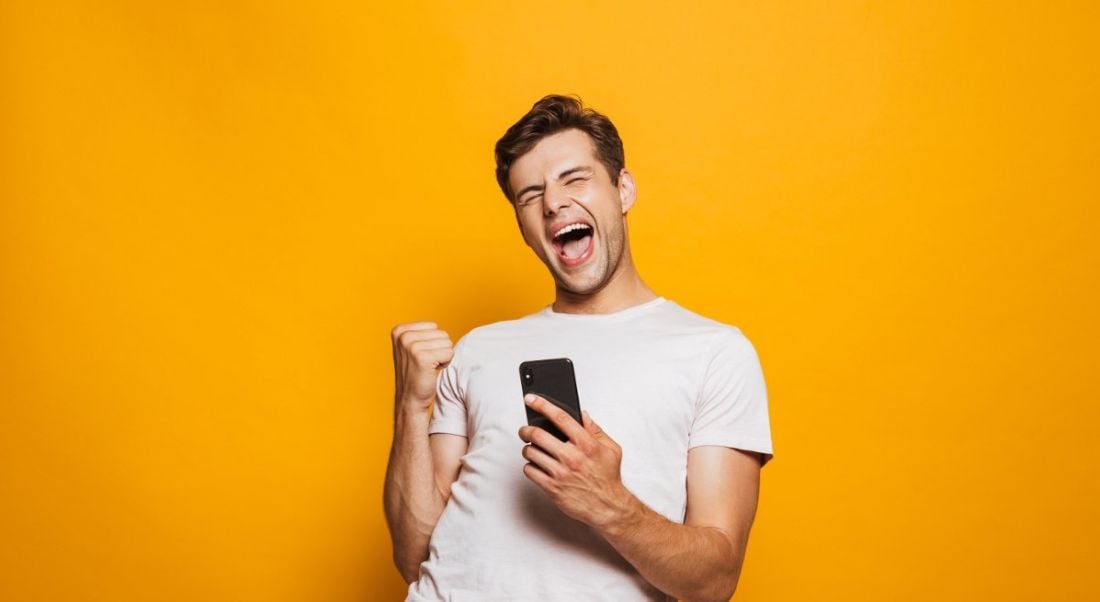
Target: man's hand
{"x": 580, "y": 475}
{"x": 419, "y": 349}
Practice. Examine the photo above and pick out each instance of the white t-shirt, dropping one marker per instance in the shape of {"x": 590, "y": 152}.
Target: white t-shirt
{"x": 658, "y": 378}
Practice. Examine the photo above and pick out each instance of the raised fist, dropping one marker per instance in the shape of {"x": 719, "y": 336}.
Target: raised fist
{"x": 419, "y": 350}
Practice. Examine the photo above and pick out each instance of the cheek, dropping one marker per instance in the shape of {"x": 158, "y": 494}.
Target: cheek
{"x": 526, "y": 230}
{"x": 601, "y": 202}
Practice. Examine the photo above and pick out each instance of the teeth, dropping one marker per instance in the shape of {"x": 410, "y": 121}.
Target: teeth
{"x": 570, "y": 228}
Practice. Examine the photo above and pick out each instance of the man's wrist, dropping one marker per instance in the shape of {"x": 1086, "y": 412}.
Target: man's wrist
{"x": 410, "y": 414}
{"x": 624, "y": 517}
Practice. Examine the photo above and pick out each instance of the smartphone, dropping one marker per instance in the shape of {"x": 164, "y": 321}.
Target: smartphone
{"x": 552, "y": 379}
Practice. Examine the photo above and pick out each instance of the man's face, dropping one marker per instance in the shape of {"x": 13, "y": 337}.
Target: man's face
{"x": 569, "y": 212}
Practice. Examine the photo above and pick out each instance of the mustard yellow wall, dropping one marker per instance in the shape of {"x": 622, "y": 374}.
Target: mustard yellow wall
{"x": 213, "y": 212}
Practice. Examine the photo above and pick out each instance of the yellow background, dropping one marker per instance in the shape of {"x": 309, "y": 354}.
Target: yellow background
{"x": 213, "y": 212}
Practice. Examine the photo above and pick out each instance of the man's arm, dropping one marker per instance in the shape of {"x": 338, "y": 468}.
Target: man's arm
{"x": 420, "y": 472}
{"x": 418, "y": 485}
{"x": 699, "y": 560}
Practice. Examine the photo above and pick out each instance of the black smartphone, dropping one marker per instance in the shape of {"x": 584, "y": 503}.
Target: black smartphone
{"x": 554, "y": 380}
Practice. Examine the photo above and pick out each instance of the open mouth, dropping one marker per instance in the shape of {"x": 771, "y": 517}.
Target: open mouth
{"x": 573, "y": 243}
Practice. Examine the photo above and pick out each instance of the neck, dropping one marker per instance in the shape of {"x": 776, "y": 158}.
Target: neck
{"x": 624, "y": 289}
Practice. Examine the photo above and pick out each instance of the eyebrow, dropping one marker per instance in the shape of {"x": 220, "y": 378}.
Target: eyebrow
{"x": 539, "y": 187}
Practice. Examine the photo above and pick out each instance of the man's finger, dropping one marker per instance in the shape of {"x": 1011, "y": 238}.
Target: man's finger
{"x": 537, "y": 476}
{"x": 430, "y": 344}
{"x": 534, "y": 454}
{"x": 400, "y": 328}
{"x": 547, "y": 442}
{"x": 429, "y": 334}
{"x": 561, "y": 419}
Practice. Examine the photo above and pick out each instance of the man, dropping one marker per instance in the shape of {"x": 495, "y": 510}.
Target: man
{"x": 653, "y": 495}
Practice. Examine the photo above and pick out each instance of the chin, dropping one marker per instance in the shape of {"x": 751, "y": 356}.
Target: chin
{"x": 578, "y": 290}
{"x": 582, "y": 285}
{"x": 584, "y": 282}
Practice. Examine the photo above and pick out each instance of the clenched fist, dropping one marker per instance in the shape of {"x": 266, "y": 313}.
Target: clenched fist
{"x": 419, "y": 349}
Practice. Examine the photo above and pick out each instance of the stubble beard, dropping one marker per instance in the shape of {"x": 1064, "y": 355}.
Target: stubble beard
{"x": 607, "y": 262}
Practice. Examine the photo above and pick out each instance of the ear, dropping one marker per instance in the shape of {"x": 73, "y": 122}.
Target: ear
{"x": 627, "y": 192}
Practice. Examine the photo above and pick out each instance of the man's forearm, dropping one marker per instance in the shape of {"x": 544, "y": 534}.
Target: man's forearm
{"x": 412, "y": 500}
{"x": 694, "y": 564}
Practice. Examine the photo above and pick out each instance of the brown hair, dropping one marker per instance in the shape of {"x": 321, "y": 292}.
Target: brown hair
{"x": 550, "y": 115}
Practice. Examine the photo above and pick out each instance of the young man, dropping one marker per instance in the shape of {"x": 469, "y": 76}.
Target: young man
{"x": 652, "y": 497}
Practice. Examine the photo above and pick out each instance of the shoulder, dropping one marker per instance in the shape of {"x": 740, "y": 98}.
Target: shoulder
{"x": 719, "y": 338}
{"x": 495, "y": 334}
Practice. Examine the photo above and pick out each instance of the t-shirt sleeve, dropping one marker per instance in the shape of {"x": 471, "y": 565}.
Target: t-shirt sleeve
{"x": 732, "y": 410}
{"x": 449, "y": 411}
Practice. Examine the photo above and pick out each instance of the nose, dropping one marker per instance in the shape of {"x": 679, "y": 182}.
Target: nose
{"x": 553, "y": 199}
